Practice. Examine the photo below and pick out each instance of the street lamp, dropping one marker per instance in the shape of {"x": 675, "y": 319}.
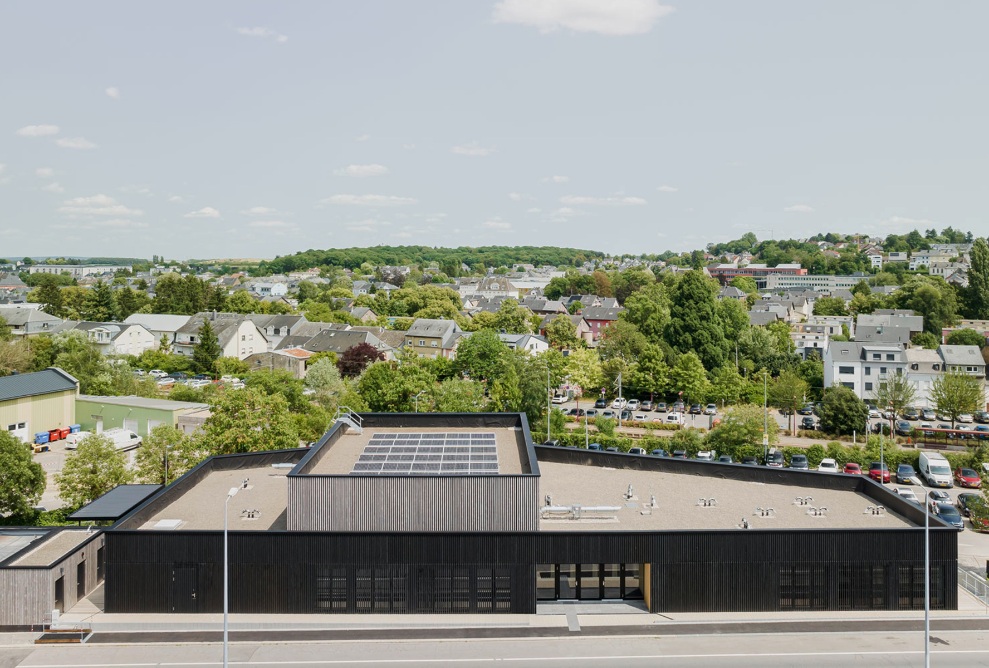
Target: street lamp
{"x": 417, "y": 399}
{"x": 226, "y": 580}
{"x": 927, "y": 574}
{"x": 765, "y": 414}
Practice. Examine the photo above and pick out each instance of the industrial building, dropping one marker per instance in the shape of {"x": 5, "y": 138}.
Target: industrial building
{"x": 419, "y": 513}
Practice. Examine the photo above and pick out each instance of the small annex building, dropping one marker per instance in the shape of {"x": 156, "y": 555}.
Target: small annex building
{"x": 446, "y": 513}
{"x": 137, "y": 414}
{"x": 36, "y": 402}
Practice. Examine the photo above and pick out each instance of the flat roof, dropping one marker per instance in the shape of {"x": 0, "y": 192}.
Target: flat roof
{"x": 679, "y": 504}
{"x": 201, "y": 506}
{"x": 54, "y": 548}
{"x": 114, "y": 504}
{"x": 347, "y": 448}
{"x": 142, "y": 402}
{"x": 13, "y": 541}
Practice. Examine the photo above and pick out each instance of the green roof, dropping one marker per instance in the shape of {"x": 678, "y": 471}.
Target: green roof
{"x": 32, "y": 384}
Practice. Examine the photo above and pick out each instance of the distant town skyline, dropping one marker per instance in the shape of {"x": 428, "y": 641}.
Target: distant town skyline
{"x": 633, "y": 126}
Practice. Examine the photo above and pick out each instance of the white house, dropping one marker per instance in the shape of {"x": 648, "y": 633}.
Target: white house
{"x": 531, "y": 343}
{"x": 238, "y": 336}
{"x": 862, "y": 366}
{"x": 159, "y": 324}
{"x": 119, "y": 338}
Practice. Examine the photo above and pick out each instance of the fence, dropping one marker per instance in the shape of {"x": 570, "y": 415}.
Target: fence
{"x": 974, "y": 583}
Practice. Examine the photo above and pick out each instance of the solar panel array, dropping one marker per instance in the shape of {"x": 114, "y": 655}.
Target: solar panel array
{"x": 436, "y": 453}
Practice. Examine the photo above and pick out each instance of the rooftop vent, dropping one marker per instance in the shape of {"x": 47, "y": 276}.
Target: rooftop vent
{"x": 817, "y": 512}
{"x": 803, "y": 500}
{"x": 765, "y": 512}
{"x": 707, "y": 503}
{"x": 874, "y": 510}
{"x": 167, "y": 525}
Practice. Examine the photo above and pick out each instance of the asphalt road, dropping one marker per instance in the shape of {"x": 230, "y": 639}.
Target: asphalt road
{"x": 902, "y": 649}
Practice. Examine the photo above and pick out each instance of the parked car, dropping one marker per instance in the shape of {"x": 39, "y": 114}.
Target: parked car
{"x": 828, "y": 465}
{"x": 966, "y": 477}
{"x": 750, "y": 460}
{"x": 982, "y": 417}
{"x": 559, "y": 398}
{"x": 576, "y": 412}
{"x": 679, "y": 454}
{"x": 936, "y": 496}
{"x": 639, "y": 417}
{"x": 196, "y": 383}
{"x": 594, "y": 446}
{"x": 645, "y": 405}
{"x": 600, "y": 403}
{"x": 928, "y": 414}
{"x": 950, "y": 514}
{"x": 705, "y": 455}
{"x": 660, "y": 407}
{"x": 806, "y": 410}
{"x": 808, "y": 423}
{"x": 799, "y": 462}
{"x": 552, "y": 441}
{"x": 591, "y": 412}
{"x": 659, "y": 452}
{"x": 695, "y": 409}
{"x": 904, "y": 428}
{"x": 619, "y": 403}
{"x": 775, "y": 459}
{"x": 202, "y": 376}
{"x": 626, "y": 415}
{"x": 632, "y": 405}
{"x": 874, "y": 413}
{"x": 965, "y": 418}
{"x": 725, "y": 459}
{"x": 609, "y": 414}
{"x": 229, "y": 379}
{"x": 852, "y": 468}
{"x": 165, "y": 382}
{"x": 611, "y": 448}
{"x": 905, "y": 474}
{"x": 179, "y": 376}
{"x": 711, "y": 409}
{"x": 636, "y": 451}
{"x": 677, "y": 407}
{"x": 908, "y": 494}
{"x": 674, "y": 418}
{"x": 911, "y": 414}
{"x": 981, "y": 431}
{"x": 879, "y": 471}
{"x": 965, "y": 501}
{"x": 157, "y": 373}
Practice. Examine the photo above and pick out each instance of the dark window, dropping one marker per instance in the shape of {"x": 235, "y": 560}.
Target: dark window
{"x": 882, "y": 371}
{"x": 868, "y": 371}
{"x": 868, "y": 387}
{"x": 890, "y": 357}
{"x": 802, "y": 587}
{"x": 846, "y": 369}
{"x": 861, "y": 587}
{"x": 850, "y": 386}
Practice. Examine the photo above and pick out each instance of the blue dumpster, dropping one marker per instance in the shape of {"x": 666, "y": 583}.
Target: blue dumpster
{"x": 41, "y": 437}
{"x": 75, "y": 428}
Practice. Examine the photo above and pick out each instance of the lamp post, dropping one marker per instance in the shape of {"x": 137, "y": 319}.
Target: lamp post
{"x": 927, "y": 574}
{"x": 765, "y": 414}
{"x": 417, "y": 399}
{"x": 226, "y": 581}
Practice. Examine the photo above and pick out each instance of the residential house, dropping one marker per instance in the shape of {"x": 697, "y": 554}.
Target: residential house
{"x": 496, "y": 286}
{"x": 386, "y": 288}
{"x": 589, "y": 301}
{"x": 293, "y": 360}
{"x": 531, "y": 343}
{"x": 543, "y": 306}
{"x": 923, "y": 367}
{"x": 337, "y": 340}
{"x": 268, "y": 288}
{"x": 238, "y": 336}
{"x": 77, "y": 270}
{"x": 835, "y": 324}
{"x": 809, "y": 339}
{"x": 118, "y": 338}
{"x": 890, "y": 318}
{"x": 875, "y": 260}
{"x": 861, "y": 366}
{"x": 731, "y": 292}
{"x": 160, "y": 324}
{"x": 898, "y": 256}
{"x": 966, "y": 359}
{"x": 364, "y": 314}
{"x": 11, "y": 283}
{"x": 360, "y": 287}
{"x": 277, "y": 327}
{"x": 583, "y": 330}
{"x": 25, "y": 321}
{"x": 433, "y": 338}
{"x": 598, "y": 318}
{"x": 980, "y": 326}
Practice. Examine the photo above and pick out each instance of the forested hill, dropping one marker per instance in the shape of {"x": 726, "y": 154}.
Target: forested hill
{"x": 489, "y": 256}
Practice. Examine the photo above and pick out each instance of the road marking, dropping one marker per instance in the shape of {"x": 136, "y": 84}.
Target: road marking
{"x": 610, "y": 657}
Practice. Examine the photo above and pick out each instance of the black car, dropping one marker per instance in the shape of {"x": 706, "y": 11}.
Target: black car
{"x": 799, "y": 462}
{"x": 600, "y": 403}
{"x": 775, "y": 459}
{"x": 905, "y": 474}
{"x": 806, "y": 410}
{"x": 911, "y": 414}
{"x": 202, "y": 376}
{"x": 950, "y": 514}
{"x": 576, "y": 412}
{"x": 626, "y": 415}
{"x": 179, "y": 375}
{"x": 982, "y": 417}
{"x": 903, "y": 428}
{"x": 750, "y": 460}
{"x": 725, "y": 459}
{"x": 696, "y": 409}
{"x": 808, "y": 423}
{"x": 659, "y": 452}
{"x": 965, "y": 501}
{"x": 679, "y": 454}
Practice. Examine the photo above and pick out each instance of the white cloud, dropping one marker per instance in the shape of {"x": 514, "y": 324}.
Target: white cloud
{"x": 113, "y": 92}
{"x": 556, "y": 179}
{"x": 38, "y": 130}
{"x": 260, "y": 211}
{"x": 263, "y": 33}
{"x": 362, "y": 171}
{"x": 667, "y": 189}
{"x": 472, "y": 149}
{"x": 408, "y": 147}
{"x": 117, "y": 223}
{"x": 614, "y": 17}
{"x": 517, "y": 197}
{"x": 534, "y": 210}
{"x": 53, "y": 187}
{"x": 75, "y": 142}
{"x": 496, "y": 224}
{"x": 901, "y": 224}
{"x": 563, "y": 214}
{"x": 205, "y": 212}
{"x": 368, "y": 200}
{"x": 799, "y": 208}
{"x": 176, "y": 199}
{"x": 272, "y": 224}
{"x": 96, "y": 205}
{"x": 44, "y": 172}
{"x": 575, "y": 200}
{"x": 362, "y": 137}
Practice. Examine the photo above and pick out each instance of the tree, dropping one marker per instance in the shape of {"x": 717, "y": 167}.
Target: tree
{"x": 562, "y": 333}
{"x": 842, "y": 412}
{"x": 100, "y": 305}
{"x": 355, "y": 359}
{"x": 727, "y": 385}
{"x": 5, "y": 333}
{"x": 91, "y": 471}
{"x": 388, "y": 387}
{"x": 976, "y": 295}
{"x": 247, "y": 421}
{"x": 895, "y": 392}
{"x": 789, "y": 392}
{"x": 742, "y": 425}
{"x": 688, "y": 376}
{"x": 15, "y": 356}
{"x": 956, "y": 392}
{"x": 22, "y": 480}
{"x": 207, "y": 350}
{"x": 164, "y": 444}
{"x": 323, "y": 377}
{"x": 621, "y": 339}
{"x": 458, "y": 395}
{"x": 746, "y": 284}
{"x": 648, "y": 308}
{"x": 650, "y": 374}
{"x": 130, "y": 301}
{"x": 50, "y": 297}
{"x": 513, "y": 318}
{"x": 583, "y": 368}
{"x": 481, "y": 355}
{"x": 930, "y": 297}
{"x": 281, "y": 383}
{"x": 925, "y": 340}
{"x": 830, "y": 306}
{"x": 966, "y": 337}
{"x": 734, "y": 318}
{"x": 694, "y": 326}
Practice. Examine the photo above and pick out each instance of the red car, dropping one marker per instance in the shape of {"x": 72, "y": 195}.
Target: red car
{"x": 879, "y": 472}
{"x": 965, "y": 477}
{"x": 852, "y": 467}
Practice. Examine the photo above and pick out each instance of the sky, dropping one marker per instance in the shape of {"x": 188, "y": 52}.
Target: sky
{"x": 252, "y": 129}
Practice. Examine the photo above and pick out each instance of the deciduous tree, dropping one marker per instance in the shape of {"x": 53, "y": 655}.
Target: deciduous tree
{"x": 91, "y": 471}
{"x": 688, "y": 376}
{"x": 956, "y": 392}
{"x": 694, "y": 324}
{"x": 166, "y": 445}
{"x": 355, "y": 359}
{"x": 22, "y": 480}
{"x": 247, "y": 420}
{"x": 789, "y": 392}
{"x": 842, "y": 412}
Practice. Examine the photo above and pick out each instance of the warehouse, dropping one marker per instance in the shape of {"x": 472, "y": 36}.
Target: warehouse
{"x": 137, "y": 414}
{"x": 31, "y": 403}
{"x": 414, "y": 513}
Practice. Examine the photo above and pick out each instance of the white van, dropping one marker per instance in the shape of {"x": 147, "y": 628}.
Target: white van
{"x": 122, "y": 439}
{"x": 935, "y": 469}
{"x": 72, "y": 440}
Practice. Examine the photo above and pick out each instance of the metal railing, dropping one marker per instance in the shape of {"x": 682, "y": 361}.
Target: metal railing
{"x": 975, "y": 584}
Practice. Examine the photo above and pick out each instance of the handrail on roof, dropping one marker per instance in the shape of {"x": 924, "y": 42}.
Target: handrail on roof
{"x": 350, "y": 418}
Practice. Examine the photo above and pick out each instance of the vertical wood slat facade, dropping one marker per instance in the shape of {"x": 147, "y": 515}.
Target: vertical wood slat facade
{"x": 413, "y": 503}
{"x": 723, "y": 571}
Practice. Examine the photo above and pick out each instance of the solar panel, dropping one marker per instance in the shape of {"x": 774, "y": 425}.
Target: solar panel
{"x": 434, "y": 453}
